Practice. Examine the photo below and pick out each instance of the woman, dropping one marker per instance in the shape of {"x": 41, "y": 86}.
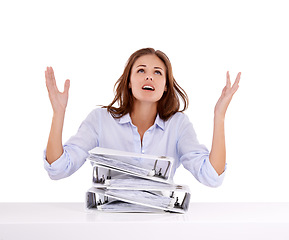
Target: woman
{"x": 147, "y": 120}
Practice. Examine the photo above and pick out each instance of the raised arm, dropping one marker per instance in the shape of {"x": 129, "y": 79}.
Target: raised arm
{"x": 59, "y": 102}
{"x": 218, "y": 150}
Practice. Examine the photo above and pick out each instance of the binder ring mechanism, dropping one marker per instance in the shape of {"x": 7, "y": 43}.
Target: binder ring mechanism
{"x": 101, "y": 179}
{"x": 158, "y": 173}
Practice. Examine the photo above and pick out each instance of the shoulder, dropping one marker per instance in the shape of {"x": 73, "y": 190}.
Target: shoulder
{"x": 98, "y": 114}
{"x": 180, "y": 123}
{"x": 178, "y": 118}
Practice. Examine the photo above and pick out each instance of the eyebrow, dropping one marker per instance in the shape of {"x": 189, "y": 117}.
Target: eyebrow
{"x": 158, "y": 68}
{"x": 142, "y": 65}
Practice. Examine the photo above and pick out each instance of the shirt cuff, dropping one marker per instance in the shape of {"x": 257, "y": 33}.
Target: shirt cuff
{"x": 214, "y": 179}
{"x": 55, "y": 169}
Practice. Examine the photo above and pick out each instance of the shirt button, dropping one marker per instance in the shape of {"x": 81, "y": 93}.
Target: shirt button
{"x": 142, "y": 151}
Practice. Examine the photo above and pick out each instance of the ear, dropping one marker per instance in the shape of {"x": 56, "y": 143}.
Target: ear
{"x": 129, "y": 85}
{"x": 166, "y": 89}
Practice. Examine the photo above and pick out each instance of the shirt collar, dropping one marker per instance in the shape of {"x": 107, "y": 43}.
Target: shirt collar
{"x": 125, "y": 119}
{"x": 159, "y": 122}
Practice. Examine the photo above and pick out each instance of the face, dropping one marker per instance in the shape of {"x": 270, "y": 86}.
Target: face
{"x": 148, "y": 79}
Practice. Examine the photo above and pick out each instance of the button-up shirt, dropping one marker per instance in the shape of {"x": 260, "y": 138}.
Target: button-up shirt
{"x": 174, "y": 138}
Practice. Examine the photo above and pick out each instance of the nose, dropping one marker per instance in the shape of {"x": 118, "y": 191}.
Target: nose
{"x": 149, "y": 78}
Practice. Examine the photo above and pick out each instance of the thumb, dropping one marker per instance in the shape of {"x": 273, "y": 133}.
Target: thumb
{"x": 66, "y": 86}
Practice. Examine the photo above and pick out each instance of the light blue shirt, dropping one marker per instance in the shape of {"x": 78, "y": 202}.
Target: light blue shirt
{"x": 174, "y": 138}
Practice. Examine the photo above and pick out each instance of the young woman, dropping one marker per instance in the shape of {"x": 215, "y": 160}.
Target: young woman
{"x": 147, "y": 119}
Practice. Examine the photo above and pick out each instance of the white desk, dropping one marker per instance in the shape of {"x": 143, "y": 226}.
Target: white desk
{"x": 203, "y": 221}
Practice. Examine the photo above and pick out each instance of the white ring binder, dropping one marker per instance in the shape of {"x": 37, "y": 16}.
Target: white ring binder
{"x": 121, "y": 183}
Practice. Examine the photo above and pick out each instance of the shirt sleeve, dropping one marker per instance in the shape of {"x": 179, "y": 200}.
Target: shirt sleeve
{"x": 195, "y": 156}
{"x": 75, "y": 150}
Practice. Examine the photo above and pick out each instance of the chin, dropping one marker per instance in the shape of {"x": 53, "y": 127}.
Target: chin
{"x": 149, "y": 99}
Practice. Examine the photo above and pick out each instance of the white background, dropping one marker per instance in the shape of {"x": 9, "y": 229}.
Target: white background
{"x": 89, "y": 42}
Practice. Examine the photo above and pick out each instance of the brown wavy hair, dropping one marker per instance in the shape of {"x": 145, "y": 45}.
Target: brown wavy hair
{"x": 169, "y": 103}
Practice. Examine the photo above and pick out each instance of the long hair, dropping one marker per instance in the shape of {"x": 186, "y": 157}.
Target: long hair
{"x": 169, "y": 103}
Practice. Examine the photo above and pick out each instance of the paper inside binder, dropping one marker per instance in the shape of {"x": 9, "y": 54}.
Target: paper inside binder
{"x": 170, "y": 201}
{"x": 110, "y": 179}
{"x": 154, "y": 170}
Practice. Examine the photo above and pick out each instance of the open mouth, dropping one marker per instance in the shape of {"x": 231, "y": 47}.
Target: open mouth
{"x": 148, "y": 88}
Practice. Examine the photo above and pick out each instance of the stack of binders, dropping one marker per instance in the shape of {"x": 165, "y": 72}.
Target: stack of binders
{"x": 130, "y": 182}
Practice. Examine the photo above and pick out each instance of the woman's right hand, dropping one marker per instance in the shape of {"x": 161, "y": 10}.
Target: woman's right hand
{"x": 58, "y": 99}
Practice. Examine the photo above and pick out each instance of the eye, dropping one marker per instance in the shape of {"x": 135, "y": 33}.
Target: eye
{"x": 158, "y": 72}
{"x": 140, "y": 71}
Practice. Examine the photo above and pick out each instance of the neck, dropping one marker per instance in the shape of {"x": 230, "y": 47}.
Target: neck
{"x": 143, "y": 115}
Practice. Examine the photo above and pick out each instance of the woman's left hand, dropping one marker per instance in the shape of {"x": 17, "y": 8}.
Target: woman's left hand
{"x": 226, "y": 97}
